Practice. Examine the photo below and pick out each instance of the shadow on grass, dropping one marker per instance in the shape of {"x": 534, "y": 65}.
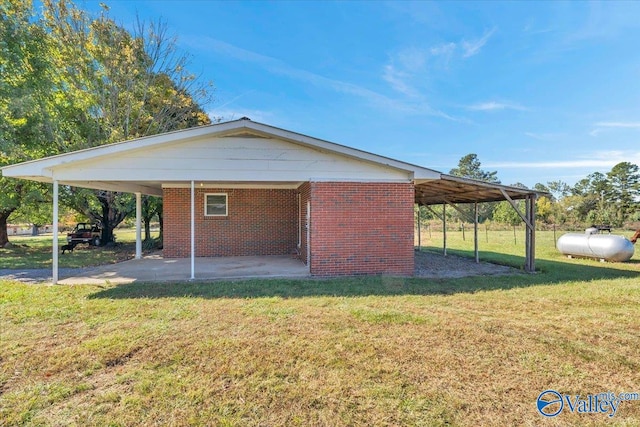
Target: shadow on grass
{"x": 551, "y": 272}
{"x": 563, "y": 269}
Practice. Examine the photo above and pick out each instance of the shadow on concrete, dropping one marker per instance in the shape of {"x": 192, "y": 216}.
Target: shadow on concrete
{"x": 550, "y": 272}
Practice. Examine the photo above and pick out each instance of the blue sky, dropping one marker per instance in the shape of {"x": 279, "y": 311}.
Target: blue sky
{"x": 540, "y": 91}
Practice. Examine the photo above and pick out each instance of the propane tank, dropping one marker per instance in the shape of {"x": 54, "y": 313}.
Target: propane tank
{"x": 605, "y": 247}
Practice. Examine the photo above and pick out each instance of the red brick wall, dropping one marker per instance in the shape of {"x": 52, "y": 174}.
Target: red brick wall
{"x": 259, "y": 222}
{"x": 362, "y": 228}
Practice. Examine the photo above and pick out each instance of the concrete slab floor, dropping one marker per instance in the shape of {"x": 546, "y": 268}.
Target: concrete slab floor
{"x": 155, "y": 268}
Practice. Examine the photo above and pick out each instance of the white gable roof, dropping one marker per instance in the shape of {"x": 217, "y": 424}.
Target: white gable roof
{"x": 240, "y": 151}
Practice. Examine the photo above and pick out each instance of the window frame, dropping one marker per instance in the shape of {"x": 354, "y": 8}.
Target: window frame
{"x": 226, "y": 205}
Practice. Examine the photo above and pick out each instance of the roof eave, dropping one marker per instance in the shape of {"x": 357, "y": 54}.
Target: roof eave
{"x": 46, "y": 166}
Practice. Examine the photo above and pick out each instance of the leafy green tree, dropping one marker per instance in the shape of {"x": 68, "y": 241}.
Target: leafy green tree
{"x": 469, "y": 166}
{"x": 594, "y": 191}
{"x": 559, "y": 189}
{"x": 544, "y": 209}
{"x": 541, "y": 188}
{"x": 36, "y": 208}
{"x": 130, "y": 85}
{"x": 505, "y": 214}
{"x": 29, "y": 110}
{"x": 151, "y": 208}
{"x": 624, "y": 182}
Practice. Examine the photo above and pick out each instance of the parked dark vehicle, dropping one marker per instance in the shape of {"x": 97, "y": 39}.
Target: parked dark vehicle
{"x": 85, "y": 233}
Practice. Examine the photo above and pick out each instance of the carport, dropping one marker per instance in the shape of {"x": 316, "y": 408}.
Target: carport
{"x": 452, "y": 190}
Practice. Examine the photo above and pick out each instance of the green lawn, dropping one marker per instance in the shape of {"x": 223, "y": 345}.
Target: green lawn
{"x": 35, "y": 252}
{"x": 351, "y": 351}
{"x": 502, "y": 247}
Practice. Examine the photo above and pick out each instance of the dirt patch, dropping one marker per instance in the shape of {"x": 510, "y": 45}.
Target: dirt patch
{"x": 431, "y": 265}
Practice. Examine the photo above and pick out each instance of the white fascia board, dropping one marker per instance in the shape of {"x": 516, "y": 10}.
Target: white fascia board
{"x": 28, "y": 170}
{"x": 239, "y": 185}
{"x": 392, "y": 181}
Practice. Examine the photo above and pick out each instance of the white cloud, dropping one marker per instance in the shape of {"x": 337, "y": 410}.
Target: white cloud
{"x": 279, "y": 67}
{"x": 495, "y": 105}
{"x": 412, "y": 59}
{"x": 597, "y": 159}
{"x": 408, "y": 68}
{"x": 399, "y": 80}
{"x": 602, "y": 126}
{"x": 404, "y": 69}
{"x": 443, "y": 54}
{"x": 472, "y": 47}
{"x": 445, "y": 49}
{"x": 635, "y": 125}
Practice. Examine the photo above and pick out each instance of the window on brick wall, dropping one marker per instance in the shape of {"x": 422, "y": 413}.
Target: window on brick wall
{"x": 215, "y": 204}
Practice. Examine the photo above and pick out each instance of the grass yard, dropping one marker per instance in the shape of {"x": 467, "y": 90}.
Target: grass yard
{"x": 350, "y": 351}
{"x": 35, "y": 252}
{"x": 508, "y": 248}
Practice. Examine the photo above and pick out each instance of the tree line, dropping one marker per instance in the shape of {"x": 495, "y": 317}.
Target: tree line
{"x": 612, "y": 198}
{"x": 70, "y": 80}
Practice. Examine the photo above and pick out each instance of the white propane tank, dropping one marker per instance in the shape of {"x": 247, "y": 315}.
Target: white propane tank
{"x": 608, "y": 247}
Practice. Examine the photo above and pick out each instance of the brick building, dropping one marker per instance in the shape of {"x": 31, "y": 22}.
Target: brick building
{"x": 245, "y": 188}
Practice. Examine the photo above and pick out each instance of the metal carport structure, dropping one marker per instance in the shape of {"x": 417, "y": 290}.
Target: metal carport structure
{"x": 452, "y": 190}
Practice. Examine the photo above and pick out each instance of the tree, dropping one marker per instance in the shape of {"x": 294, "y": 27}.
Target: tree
{"x": 469, "y": 166}
{"x": 29, "y": 111}
{"x": 36, "y": 208}
{"x": 559, "y": 189}
{"x": 624, "y": 181}
{"x": 151, "y": 207}
{"x": 544, "y": 204}
{"x": 130, "y": 84}
{"x": 504, "y": 213}
{"x": 594, "y": 193}
{"x": 544, "y": 209}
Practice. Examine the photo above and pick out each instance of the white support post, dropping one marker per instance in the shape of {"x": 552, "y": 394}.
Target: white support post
{"x": 55, "y": 233}
{"x": 419, "y": 231}
{"x": 475, "y": 231}
{"x": 193, "y": 231}
{"x": 444, "y": 229}
{"x": 299, "y": 222}
{"x": 309, "y": 235}
{"x": 138, "y": 225}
